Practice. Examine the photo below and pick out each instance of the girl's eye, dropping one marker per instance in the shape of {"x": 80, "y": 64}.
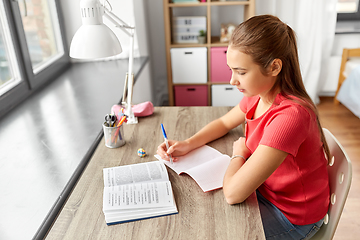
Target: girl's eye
{"x": 242, "y": 73}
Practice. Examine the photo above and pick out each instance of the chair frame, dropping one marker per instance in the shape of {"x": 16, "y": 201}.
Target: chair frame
{"x": 340, "y": 175}
{"x": 347, "y": 53}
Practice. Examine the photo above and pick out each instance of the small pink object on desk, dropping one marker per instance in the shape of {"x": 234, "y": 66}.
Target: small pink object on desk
{"x": 140, "y": 110}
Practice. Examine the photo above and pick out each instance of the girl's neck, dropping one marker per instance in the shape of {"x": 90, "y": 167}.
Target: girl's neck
{"x": 265, "y": 103}
{"x": 261, "y": 108}
{"x": 269, "y": 97}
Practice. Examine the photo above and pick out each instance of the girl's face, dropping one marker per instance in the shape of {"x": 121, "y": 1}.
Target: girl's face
{"x": 246, "y": 75}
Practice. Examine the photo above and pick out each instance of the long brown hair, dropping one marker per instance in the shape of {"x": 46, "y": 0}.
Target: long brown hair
{"x": 266, "y": 38}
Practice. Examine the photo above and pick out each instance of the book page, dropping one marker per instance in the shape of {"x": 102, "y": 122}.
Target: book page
{"x": 139, "y": 195}
{"x": 194, "y": 158}
{"x": 135, "y": 173}
{"x": 210, "y": 175}
{"x": 206, "y": 165}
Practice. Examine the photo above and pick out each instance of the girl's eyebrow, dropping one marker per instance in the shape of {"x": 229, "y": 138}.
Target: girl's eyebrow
{"x": 237, "y": 68}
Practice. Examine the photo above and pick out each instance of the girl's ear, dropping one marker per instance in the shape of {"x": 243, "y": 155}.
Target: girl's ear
{"x": 276, "y": 67}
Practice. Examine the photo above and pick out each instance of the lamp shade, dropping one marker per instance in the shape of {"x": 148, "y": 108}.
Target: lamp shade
{"x": 94, "y": 41}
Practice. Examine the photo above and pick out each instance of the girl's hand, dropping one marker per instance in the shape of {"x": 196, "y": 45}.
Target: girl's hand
{"x": 176, "y": 149}
{"x": 239, "y": 148}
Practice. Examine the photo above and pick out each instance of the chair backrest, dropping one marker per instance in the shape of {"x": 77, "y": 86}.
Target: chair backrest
{"x": 340, "y": 172}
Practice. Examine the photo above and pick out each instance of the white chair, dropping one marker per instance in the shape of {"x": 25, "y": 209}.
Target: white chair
{"x": 339, "y": 170}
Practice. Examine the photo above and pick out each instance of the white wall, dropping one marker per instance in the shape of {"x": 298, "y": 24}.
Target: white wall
{"x": 155, "y": 24}
{"x": 132, "y": 12}
{"x": 341, "y": 41}
{"x": 345, "y": 41}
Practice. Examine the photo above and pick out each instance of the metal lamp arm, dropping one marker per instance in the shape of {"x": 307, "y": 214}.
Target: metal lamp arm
{"x": 129, "y": 81}
{"x": 118, "y": 22}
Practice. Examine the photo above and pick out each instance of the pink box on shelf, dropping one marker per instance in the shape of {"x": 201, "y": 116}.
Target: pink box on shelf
{"x": 191, "y": 95}
{"x": 220, "y": 72}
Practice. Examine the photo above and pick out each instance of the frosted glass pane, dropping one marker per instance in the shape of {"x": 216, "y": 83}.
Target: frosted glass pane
{"x": 347, "y": 6}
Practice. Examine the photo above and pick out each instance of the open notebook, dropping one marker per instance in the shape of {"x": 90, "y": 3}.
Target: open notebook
{"x": 206, "y": 165}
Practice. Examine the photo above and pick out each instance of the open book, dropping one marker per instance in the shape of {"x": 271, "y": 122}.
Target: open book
{"x": 206, "y": 165}
{"x": 137, "y": 191}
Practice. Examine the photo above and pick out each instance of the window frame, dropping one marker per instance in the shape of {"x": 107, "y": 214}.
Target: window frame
{"x": 30, "y": 81}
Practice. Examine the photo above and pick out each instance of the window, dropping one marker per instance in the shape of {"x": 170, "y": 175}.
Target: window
{"x": 348, "y": 10}
{"x": 9, "y": 71}
{"x": 32, "y": 49}
{"x": 42, "y": 32}
{"x": 347, "y": 6}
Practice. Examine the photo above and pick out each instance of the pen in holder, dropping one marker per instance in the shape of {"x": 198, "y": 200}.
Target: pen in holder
{"x": 114, "y": 136}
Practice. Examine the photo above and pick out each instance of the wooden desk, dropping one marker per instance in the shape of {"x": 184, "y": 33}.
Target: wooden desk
{"x": 201, "y": 215}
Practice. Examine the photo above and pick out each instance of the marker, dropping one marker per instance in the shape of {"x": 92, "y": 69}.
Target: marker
{"x": 121, "y": 121}
{"x": 118, "y": 126}
{"x": 166, "y": 141}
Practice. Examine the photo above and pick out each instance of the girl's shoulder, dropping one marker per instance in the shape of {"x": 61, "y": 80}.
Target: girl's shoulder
{"x": 293, "y": 105}
{"x": 248, "y": 102}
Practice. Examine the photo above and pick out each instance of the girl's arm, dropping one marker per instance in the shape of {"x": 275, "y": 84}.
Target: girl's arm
{"x": 243, "y": 178}
{"x": 210, "y": 132}
{"x": 217, "y": 128}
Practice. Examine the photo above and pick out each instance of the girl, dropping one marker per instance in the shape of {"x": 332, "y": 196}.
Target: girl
{"x": 283, "y": 157}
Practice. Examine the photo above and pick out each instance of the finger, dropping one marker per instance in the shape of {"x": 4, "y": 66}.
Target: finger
{"x": 174, "y": 159}
{"x": 162, "y": 152}
{"x": 171, "y": 149}
{"x": 163, "y": 147}
{"x": 164, "y": 157}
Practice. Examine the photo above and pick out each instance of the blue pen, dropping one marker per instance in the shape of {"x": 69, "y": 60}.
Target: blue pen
{"x": 166, "y": 141}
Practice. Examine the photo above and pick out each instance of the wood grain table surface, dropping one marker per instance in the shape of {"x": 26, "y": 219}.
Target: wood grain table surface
{"x": 201, "y": 215}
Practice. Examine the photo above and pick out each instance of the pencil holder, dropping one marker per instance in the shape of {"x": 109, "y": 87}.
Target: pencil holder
{"x": 114, "y": 136}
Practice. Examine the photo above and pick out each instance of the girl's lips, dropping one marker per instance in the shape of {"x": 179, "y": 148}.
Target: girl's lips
{"x": 241, "y": 90}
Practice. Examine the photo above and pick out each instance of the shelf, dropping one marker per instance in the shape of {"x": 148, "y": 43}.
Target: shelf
{"x": 185, "y": 84}
{"x": 174, "y": 9}
{"x": 187, "y": 45}
{"x": 228, "y": 3}
{"x": 195, "y": 4}
{"x": 211, "y": 3}
{"x": 220, "y": 83}
{"x": 215, "y": 42}
{"x": 201, "y": 84}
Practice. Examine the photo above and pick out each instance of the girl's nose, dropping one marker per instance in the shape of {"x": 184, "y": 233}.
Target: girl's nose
{"x": 233, "y": 81}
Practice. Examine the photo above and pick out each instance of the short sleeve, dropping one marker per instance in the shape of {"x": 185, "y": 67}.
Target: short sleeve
{"x": 287, "y": 129}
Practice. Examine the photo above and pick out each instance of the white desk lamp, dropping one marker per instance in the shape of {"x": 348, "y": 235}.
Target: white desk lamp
{"x": 95, "y": 40}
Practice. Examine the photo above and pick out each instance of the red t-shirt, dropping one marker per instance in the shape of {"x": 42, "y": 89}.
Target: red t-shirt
{"x": 299, "y": 187}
